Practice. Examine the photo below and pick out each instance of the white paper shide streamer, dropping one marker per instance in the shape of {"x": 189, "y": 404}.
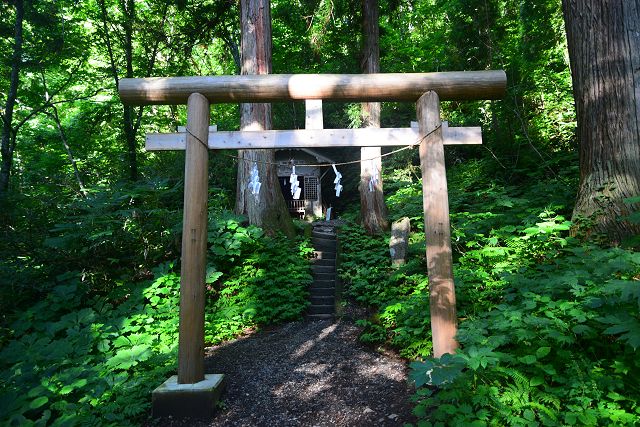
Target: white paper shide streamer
{"x": 295, "y": 184}
{"x": 336, "y": 181}
{"x": 254, "y": 181}
{"x": 373, "y": 179}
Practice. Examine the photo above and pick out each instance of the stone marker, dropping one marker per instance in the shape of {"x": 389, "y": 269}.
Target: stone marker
{"x": 399, "y": 243}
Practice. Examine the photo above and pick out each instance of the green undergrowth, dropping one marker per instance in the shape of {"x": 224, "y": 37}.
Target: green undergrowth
{"x": 83, "y": 358}
{"x": 549, "y": 325}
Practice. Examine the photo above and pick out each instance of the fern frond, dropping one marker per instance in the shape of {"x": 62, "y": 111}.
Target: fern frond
{"x": 519, "y": 379}
{"x": 546, "y": 411}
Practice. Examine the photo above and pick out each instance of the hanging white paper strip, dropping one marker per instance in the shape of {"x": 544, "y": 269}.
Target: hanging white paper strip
{"x": 338, "y": 186}
{"x": 254, "y": 181}
{"x": 295, "y": 184}
{"x": 373, "y": 180}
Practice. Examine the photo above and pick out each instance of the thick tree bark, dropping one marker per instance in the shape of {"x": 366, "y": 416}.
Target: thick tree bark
{"x": 372, "y": 208}
{"x": 268, "y": 209}
{"x": 7, "y": 143}
{"x": 604, "y": 50}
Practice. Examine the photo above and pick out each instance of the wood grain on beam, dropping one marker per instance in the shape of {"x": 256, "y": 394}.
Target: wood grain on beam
{"x": 311, "y": 138}
{"x": 454, "y": 85}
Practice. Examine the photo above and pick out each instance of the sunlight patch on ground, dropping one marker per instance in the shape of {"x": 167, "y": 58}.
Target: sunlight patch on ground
{"x": 308, "y": 345}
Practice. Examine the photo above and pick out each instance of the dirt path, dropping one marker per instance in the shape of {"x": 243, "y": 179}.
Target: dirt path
{"x": 309, "y": 374}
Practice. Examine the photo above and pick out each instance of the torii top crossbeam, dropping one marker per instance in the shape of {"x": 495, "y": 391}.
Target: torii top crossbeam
{"x": 450, "y": 86}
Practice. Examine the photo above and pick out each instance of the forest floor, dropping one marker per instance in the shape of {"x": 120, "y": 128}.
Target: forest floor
{"x": 308, "y": 374}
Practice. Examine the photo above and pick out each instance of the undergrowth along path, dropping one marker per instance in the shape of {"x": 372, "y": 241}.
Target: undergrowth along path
{"x": 309, "y": 374}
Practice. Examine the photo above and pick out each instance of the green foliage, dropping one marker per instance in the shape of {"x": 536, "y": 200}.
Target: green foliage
{"x": 399, "y": 294}
{"x": 549, "y": 325}
{"x": 80, "y": 357}
{"x": 137, "y": 223}
{"x": 559, "y": 349}
{"x": 253, "y": 279}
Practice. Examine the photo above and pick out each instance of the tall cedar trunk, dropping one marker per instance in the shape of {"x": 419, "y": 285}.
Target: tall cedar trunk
{"x": 268, "y": 210}
{"x": 604, "y": 50}
{"x": 372, "y": 208}
{"x": 7, "y": 144}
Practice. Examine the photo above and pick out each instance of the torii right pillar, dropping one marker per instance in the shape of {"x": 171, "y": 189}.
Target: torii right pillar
{"x": 435, "y": 200}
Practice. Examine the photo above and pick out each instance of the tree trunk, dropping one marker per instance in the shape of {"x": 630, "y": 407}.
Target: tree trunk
{"x": 67, "y": 149}
{"x": 372, "y": 208}
{"x": 268, "y": 209}
{"x": 130, "y": 125}
{"x": 63, "y": 136}
{"x": 7, "y": 144}
{"x": 604, "y": 50}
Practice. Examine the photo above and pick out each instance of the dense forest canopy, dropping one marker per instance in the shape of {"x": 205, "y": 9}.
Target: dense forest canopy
{"x": 77, "y": 54}
{"x": 90, "y": 222}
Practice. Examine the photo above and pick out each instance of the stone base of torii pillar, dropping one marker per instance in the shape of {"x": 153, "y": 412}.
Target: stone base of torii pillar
{"x": 198, "y": 400}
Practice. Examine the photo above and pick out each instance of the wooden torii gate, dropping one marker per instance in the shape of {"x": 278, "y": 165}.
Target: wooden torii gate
{"x": 427, "y": 89}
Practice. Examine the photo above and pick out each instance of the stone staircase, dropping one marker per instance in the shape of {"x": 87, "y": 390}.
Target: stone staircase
{"x": 323, "y": 288}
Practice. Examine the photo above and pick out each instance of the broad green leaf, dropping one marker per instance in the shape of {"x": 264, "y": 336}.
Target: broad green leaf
{"x": 38, "y": 402}
{"x": 536, "y": 381}
{"x": 528, "y": 359}
{"x": 128, "y": 357}
{"x": 542, "y": 352}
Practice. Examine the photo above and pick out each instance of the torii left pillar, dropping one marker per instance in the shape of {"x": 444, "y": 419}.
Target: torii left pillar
{"x": 192, "y": 393}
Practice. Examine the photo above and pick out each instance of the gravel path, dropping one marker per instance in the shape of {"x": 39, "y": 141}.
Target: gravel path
{"x": 309, "y": 374}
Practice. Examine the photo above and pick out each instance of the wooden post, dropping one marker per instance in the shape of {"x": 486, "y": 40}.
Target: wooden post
{"x": 436, "y": 225}
{"x": 314, "y": 119}
{"x": 194, "y": 243}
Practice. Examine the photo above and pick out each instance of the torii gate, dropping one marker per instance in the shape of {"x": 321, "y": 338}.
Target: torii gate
{"x": 183, "y": 395}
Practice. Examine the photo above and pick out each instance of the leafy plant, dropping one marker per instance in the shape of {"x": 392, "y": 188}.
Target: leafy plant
{"x": 85, "y": 358}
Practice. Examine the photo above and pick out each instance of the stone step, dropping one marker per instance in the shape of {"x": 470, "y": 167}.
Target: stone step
{"x": 323, "y": 235}
{"x": 324, "y": 244}
{"x": 318, "y": 283}
{"x": 321, "y": 309}
{"x": 324, "y": 227}
{"x": 323, "y": 269}
{"x": 324, "y": 254}
{"x": 321, "y": 240}
{"x": 322, "y": 300}
{"x": 324, "y": 262}
{"x": 324, "y": 276}
{"x": 322, "y": 292}
{"x": 320, "y": 316}
{"x": 326, "y": 248}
